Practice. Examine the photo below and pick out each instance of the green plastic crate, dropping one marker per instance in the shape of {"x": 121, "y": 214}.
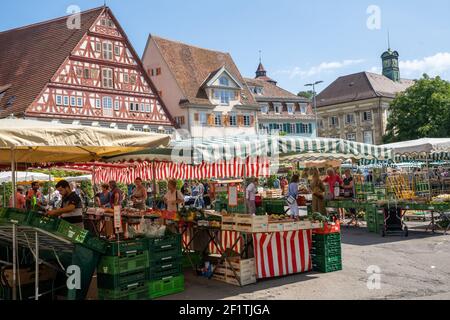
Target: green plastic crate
{"x": 72, "y": 232}
{"x": 44, "y": 223}
{"x": 162, "y": 269}
{"x": 324, "y": 260}
{"x": 332, "y": 237}
{"x": 326, "y": 250}
{"x": 275, "y": 206}
{"x": 165, "y": 287}
{"x": 164, "y": 244}
{"x": 17, "y": 216}
{"x": 161, "y": 256}
{"x": 123, "y": 264}
{"x": 124, "y": 247}
{"x": 121, "y": 281}
{"x": 139, "y": 293}
{"x": 96, "y": 244}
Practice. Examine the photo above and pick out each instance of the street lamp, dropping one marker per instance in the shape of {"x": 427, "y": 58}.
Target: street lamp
{"x": 313, "y": 85}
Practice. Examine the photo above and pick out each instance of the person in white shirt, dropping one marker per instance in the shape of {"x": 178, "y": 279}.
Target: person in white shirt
{"x": 250, "y": 194}
{"x": 173, "y": 198}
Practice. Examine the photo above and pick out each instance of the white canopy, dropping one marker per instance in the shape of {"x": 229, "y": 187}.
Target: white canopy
{"x": 24, "y": 176}
{"x": 426, "y": 145}
{"x": 38, "y": 141}
{"x": 79, "y": 178}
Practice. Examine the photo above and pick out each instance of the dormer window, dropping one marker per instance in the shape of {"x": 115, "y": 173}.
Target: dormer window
{"x": 224, "y": 81}
{"x": 225, "y": 96}
{"x": 264, "y": 109}
{"x": 290, "y": 108}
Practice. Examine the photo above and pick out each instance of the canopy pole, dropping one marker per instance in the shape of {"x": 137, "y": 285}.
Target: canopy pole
{"x": 13, "y": 176}
{"x": 154, "y": 183}
{"x": 36, "y": 280}
{"x": 14, "y": 264}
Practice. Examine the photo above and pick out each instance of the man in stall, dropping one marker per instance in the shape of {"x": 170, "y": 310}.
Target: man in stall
{"x": 71, "y": 207}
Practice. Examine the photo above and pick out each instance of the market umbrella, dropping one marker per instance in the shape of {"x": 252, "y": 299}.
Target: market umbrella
{"x": 30, "y": 141}
{"x": 37, "y": 141}
{"x": 421, "y": 149}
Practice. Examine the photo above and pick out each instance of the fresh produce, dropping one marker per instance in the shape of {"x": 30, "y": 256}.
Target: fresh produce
{"x": 316, "y": 216}
{"x": 442, "y": 198}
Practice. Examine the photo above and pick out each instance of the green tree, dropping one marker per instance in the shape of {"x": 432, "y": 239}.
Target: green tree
{"x": 422, "y": 111}
{"x": 306, "y": 94}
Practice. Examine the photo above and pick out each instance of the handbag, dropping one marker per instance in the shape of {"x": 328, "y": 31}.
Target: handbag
{"x": 291, "y": 200}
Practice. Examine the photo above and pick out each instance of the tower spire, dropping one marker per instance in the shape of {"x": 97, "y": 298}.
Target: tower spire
{"x": 389, "y": 40}
{"x": 260, "y": 56}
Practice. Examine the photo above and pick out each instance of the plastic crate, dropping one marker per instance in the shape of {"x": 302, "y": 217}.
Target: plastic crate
{"x": 125, "y": 247}
{"x": 166, "y": 243}
{"x": 72, "y": 232}
{"x": 44, "y": 223}
{"x": 326, "y": 250}
{"x": 123, "y": 264}
{"x": 165, "y": 287}
{"x": 139, "y": 293}
{"x": 329, "y": 228}
{"x": 329, "y": 238}
{"x": 121, "y": 281}
{"x": 275, "y": 206}
{"x": 326, "y": 268}
{"x": 17, "y": 216}
{"x": 169, "y": 266}
{"x": 96, "y": 244}
{"x": 325, "y": 260}
{"x": 161, "y": 256}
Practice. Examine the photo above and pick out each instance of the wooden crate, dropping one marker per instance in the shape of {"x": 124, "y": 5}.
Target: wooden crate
{"x": 273, "y": 193}
{"x": 245, "y": 270}
{"x": 316, "y": 225}
{"x": 251, "y": 224}
{"x": 275, "y": 227}
{"x": 290, "y": 226}
{"x": 304, "y": 225}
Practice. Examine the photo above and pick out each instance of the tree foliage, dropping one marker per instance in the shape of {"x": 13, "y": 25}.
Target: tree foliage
{"x": 422, "y": 111}
{"x": 306, "y": 94}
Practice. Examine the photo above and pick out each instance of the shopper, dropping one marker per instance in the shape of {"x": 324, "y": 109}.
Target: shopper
{"x": 292, "y": 196}
{"x": 20, "y": 199}
{"x": 200, "y": 194}
{"x": 348, "y": 193}
{"x": 250, "y": 196}
{"x": 173, "y": 198}
{"x": 283, "y": 184}
{"x": 33, "y": 196}
{"x": 333, "y": 180}
{"x": 116, "y": 195}
{"x": 139, "y": 195}
{"x": 318, "y": 192}
{"x": 103, "y": 198}
{"x": 71, "y": 209}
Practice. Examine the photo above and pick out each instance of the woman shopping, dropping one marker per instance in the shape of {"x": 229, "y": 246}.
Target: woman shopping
{"x": 293, "y": 195}
{"x": 318, "y": 193}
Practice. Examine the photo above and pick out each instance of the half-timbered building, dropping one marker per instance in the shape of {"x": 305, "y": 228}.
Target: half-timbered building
{"x": 87, "y": 74}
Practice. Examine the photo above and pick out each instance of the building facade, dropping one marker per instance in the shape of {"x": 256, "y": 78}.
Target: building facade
{"x": 202, "y": 89}
{"x": 86, "y": 76}
{"x": 356, "y": 107}
{"x": 280, "y": 111}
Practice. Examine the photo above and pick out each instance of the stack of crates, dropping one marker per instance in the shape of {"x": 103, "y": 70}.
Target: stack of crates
{"x": 327, "y": 252}
{"x": 375, "y": 219}
{"x": 122, "y": 272}
{"x": 365, "y": 191}
{"x": 274, "y": 206}
{"x": 165, "y": 272}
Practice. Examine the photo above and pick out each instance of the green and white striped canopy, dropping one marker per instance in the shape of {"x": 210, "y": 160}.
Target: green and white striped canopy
{"x": 285, "y": 147}
{"x": 427, "y": 149}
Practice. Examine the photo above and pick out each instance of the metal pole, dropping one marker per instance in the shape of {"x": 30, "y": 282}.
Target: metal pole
{"x": 154, "y": 184}
{"x": 315, "y": 108}
{"x": 36, "y": 280}
{"x": 14, "y": 257}
{"x": 13, "y": 177}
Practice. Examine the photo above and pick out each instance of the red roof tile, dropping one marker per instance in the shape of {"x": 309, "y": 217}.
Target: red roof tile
{"x": 31, "y": 55}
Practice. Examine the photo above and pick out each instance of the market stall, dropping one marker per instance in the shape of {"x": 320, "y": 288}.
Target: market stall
{"x": 26, "y": 141}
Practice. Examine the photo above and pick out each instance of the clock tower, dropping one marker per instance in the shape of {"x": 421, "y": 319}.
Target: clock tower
{"x": 391, "y": 67}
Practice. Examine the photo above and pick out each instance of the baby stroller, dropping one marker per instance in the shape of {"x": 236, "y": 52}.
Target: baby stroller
{"x": 394, "y": 223}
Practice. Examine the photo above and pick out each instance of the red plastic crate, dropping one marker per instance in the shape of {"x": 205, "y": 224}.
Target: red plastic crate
{"x": 329, "y": 227}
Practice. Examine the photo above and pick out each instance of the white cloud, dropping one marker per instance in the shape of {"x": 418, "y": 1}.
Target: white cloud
{"x": 323, "y": 67}
{"x": 433, "y": 65}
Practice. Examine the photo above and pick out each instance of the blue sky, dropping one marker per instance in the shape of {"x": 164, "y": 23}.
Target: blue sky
{"x": 301, "y": 41}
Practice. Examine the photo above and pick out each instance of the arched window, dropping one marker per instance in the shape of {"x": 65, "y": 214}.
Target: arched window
{"x": 224, "y": 81}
